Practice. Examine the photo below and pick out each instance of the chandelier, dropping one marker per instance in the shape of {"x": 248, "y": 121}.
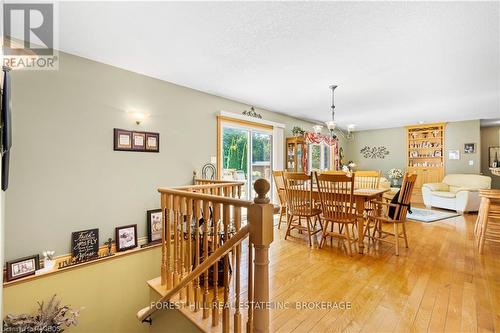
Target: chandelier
{"x": 332, "y": 124}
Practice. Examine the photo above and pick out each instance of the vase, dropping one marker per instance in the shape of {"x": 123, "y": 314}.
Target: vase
{"x": 48, "y": 264}
{"x": 395, "y": 182}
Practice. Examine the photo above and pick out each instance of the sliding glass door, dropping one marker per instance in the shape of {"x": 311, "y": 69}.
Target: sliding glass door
{"x": 246, "y": 155}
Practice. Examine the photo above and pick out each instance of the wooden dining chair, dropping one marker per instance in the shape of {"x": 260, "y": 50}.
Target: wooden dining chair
{"x": 300, "y": 204}
{"x": 280, "y": 190}
{"x": 487, "y": 226}
{"x": 367, "y": 179}
{"x": 393, "y": 213}
{"x": 337, "y": 203}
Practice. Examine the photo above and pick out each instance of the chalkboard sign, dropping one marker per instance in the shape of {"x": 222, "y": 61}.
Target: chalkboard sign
{"x": 85, "y": 244}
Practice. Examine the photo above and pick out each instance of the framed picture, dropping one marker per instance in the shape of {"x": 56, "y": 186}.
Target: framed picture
{"x": 454, "y": 154}
{"x": 494, "y": 157}
{"x": 153, "y": 142}
{"x": 138, "y": 141}
{"x": 126, "y": 237}
{"x": 154, "y": 225}
{"x": 85, "y": 244}
{"x": 19, "y": 268}
{"x": 122, "y": 139}
{"x": 469, "y": 148}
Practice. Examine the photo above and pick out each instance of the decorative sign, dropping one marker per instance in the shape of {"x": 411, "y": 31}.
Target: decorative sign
{"x": 374, "y": 152}
{"x": 85, "y": 245}
{"x": 124, "y": 140}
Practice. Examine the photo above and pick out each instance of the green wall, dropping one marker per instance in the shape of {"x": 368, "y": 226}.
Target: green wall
{"x": 65, "y": 175}
{"x": 457, "y": 133}
{"x": 490, "y": 137}
{"x": 110, "y": 293}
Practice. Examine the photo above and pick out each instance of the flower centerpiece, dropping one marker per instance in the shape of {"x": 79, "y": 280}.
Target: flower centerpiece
{"x": 395, "y": 175}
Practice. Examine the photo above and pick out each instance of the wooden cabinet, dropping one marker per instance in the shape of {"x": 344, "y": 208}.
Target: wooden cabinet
{"x": 425, "y": 155}
{"x": 295, "y": 158}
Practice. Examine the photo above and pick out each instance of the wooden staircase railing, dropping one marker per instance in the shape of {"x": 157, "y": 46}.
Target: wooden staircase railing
{"x": 186, "y": 269}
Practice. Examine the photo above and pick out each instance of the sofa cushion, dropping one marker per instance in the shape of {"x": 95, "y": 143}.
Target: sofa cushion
{"x": 469, "y": 181}
{"x": 444, "y": 194}
{"x": 437, "y": 186}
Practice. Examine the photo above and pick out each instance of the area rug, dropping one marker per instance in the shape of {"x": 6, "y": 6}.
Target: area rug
{"x": 427, "y": 215}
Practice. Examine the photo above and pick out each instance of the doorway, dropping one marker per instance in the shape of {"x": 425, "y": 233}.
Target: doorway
{"x": 245, "y": 153}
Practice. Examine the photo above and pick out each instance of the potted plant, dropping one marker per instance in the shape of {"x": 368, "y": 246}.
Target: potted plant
{"x": 50, "y": 318}
{"x": 394, "y": 176}
{"x": 297, "y": 131}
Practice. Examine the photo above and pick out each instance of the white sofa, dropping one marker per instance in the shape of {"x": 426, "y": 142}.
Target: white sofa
{"x": 459, "y": 192}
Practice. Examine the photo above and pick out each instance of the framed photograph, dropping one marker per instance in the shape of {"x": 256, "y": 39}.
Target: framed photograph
{"x": 153, "y": 142}
{"x": 469, "y": 148}
{"x": 138, "y": 141}
{"x": 494, "y": 157}
{"x": 154, "y": 225}
{"x": 122, "y": 139}
{"x": 19, "y": 268}
{"x": 126, "y": 237}
{"x": 454, "y": 154}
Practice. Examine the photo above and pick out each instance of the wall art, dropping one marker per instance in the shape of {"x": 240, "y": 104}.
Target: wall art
{"x": 374, "y": 152}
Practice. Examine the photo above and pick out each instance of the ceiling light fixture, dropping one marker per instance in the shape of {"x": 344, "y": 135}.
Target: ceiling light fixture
{"x": 317, "y": 129}
{"x": 332, "y": 124}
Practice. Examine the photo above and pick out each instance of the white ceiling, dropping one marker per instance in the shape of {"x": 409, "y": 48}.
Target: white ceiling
{"x": 396, "y": 63}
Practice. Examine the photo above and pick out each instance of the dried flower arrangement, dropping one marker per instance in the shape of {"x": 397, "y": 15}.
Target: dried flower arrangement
{"x": 49, "y": 318}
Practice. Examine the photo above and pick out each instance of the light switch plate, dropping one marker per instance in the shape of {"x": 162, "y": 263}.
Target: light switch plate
{"x": 471, "y": 162}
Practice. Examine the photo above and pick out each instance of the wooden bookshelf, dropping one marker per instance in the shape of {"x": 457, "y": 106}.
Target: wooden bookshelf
{"x": 425, "y": 155}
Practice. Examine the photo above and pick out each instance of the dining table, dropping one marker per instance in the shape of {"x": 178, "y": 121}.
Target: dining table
{"x": 361, "y": 196}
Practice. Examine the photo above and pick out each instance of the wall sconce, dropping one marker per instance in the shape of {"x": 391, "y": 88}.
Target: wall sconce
{"x": 138, "y": 117}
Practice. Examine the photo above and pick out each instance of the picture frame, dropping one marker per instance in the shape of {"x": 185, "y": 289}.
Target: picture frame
{"x": 126, "y": 237}
{"x": 139, "y": 141}
{"x": 122, "y": 139}
{"x": 494, "y": 156}
{"x": 136, "y": 141}
{"x": 469, "y": 148}
{"x": 454, "y": 154}
{"x": 153, "y": 142}
{"x": 155, "y": 225}
{"x": 85, "y": 244}
{"x": 22, "y": 267}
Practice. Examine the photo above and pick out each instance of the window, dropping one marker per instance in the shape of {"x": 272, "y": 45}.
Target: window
{"x": 319, "y": 157}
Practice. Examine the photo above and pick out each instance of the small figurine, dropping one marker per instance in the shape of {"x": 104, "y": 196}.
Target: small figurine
{"x": 108, "y": 243}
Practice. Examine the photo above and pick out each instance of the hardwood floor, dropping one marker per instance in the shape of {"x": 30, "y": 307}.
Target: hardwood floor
{"x": 439, "y": 284}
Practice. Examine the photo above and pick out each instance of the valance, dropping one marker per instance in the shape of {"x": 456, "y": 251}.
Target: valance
{"x": 315, "y": 138}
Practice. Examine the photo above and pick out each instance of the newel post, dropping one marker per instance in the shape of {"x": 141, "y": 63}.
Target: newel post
{"x": 260, "y": 216}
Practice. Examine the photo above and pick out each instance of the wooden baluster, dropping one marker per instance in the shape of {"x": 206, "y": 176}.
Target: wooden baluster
{"x": 168, "y": 222}
{"x": 250, "y": 287}
{"x": 225, "y": 309}
{"x": 176, "y": 240}
{"x": 197, "y": 290}
{"x": 189, "y": 252}
{"x": 164, "y": 267}
{"x": 215, "y": 278}
{"x": 260, "y": 216}
{"x": 182, "y": 268}
{"x": 206, "y": 217}
{"x": 237, "y": 314}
